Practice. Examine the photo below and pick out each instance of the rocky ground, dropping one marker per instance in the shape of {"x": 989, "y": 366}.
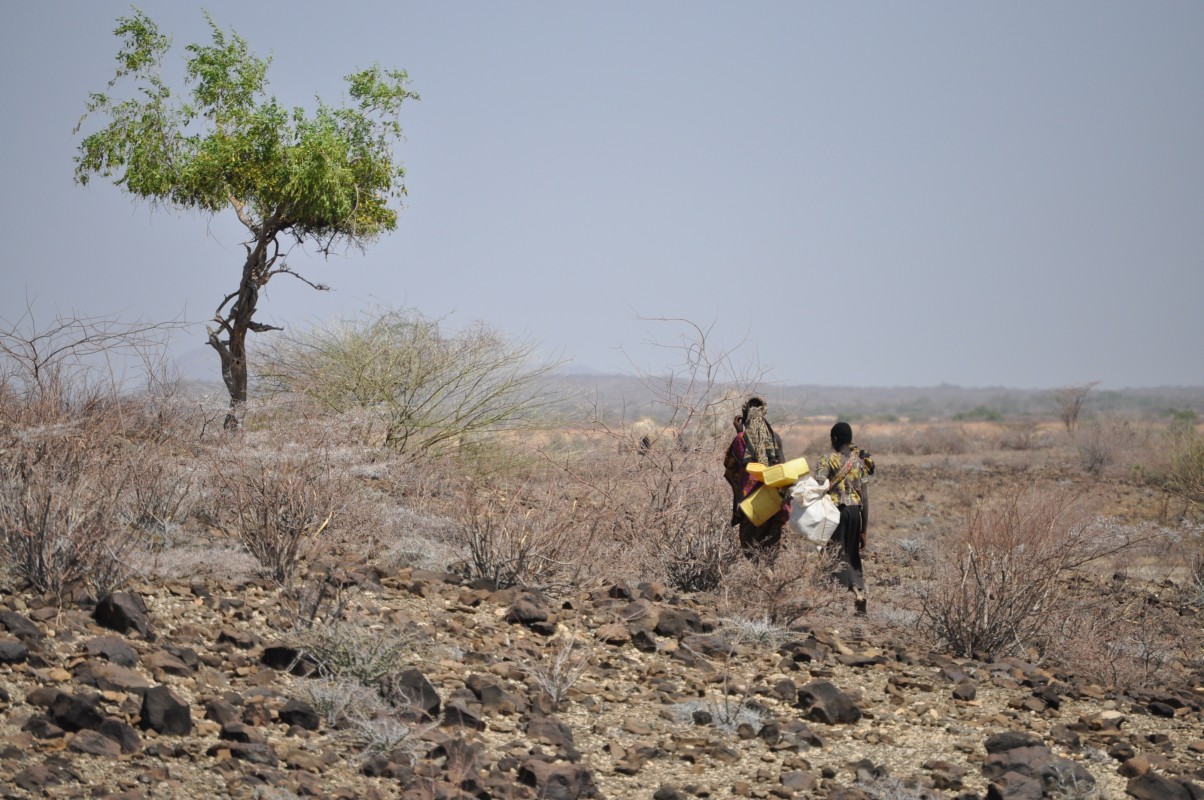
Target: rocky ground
{"x": 197, "y": 690}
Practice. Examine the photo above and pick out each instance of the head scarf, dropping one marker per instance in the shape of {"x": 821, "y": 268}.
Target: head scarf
{"x": 759, "y": 435}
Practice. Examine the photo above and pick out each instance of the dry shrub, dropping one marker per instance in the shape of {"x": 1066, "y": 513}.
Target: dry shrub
{"x": 81, "y": 487}
{"x": 921, "y": 440}
{"x": 62, "y": 493}
{"x": 1022, "y": 435}
{"x": 1119, "y": 636}
{"x": 999, "y": 585}
{"x": 799, "y": 582}
{"x": 667, "y": 512}
{"x": 1179, "y": 467}
{"x": 355, "y": 651}
{"x": 283, "y": 496}
{"x": 1107, "y": 440}
{"x": 560, "y": 666}
{"x": 533, "y": 537}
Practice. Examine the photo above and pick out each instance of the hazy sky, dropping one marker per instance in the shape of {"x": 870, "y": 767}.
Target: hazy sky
{"x": 873, "y": 193}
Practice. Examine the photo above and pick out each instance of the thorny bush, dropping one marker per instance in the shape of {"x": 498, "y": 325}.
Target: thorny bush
{"x": 797, "y": 583}
{"x": 81, "y": 487}
{"x": 279, "y": 497}
{"x": 999, "y": 585}
{"x": 532, "y": 537}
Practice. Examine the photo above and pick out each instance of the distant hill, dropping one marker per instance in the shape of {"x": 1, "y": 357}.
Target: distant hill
{"x": 625, "y": 396}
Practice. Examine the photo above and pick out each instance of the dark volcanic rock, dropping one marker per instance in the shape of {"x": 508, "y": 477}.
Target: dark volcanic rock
{"x": 299, "y": 713}
{"x": 112, "y": 648}
{"x": 1160, "y": 787}
{"x": 557, "y": 781}
{"x": 823, "y": 702}
{"x": 165, "y": 712}
{"x": 94, "y": 743}
{"x": 76, "y": 712}
{"x": 412, "y": 694}
{"x": 124, "y": 612}
{"x": 13, "y": 651}
{"x": 20, "y": 626}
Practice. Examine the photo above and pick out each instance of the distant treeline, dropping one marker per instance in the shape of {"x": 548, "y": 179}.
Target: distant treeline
{"x": 624, "y": 397}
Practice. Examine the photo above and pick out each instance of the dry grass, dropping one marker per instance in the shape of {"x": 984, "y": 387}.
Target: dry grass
{"x": 974, "y": 538}
{"x": 1000, "y": 583}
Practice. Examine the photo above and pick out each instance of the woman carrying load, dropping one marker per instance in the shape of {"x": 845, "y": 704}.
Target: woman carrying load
{"x": 755, "y": 442}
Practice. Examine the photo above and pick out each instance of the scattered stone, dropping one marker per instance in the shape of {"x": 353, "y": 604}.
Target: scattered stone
{"x": 13, "y": 651}
{"x": 299, "y": 713}
{"x": 965, "y": 692}
{"x": 124, "y": 612}
{"x": 412, "y": 694}
{"x": 557, "y": 781}
{"x": 823, "y": 702}
{"x": 1152, "y": 786}
{"x": 20, "y": 626}
{"x": 165, "y": 712}
{"x": 112, "y": 649}
{"x": 76, "y": 712}
{"x": 94, "y": 743}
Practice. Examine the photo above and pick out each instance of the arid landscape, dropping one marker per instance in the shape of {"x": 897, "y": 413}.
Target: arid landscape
{"x": 292, "y": 609}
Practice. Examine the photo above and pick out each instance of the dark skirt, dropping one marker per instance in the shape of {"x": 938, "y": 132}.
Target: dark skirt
{"x": 846, "y": 542}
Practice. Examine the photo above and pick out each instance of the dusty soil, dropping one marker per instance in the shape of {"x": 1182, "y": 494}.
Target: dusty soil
{"x": 673, "y": 701}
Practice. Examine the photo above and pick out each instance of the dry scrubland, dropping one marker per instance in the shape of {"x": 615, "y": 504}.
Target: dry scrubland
{"x": 292, "y": 609}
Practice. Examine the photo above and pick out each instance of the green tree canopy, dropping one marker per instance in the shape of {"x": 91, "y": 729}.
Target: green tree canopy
{"x": 327, "y": 176}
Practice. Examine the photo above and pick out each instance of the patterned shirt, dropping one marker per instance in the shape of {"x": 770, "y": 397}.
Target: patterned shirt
{"x": 848, "y": 490}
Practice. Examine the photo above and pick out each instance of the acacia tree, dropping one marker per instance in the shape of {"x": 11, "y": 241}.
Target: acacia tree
{"x": 423, "y": 388}
{"x": 1070, "y": 401}
{"x": 291, "y": 176}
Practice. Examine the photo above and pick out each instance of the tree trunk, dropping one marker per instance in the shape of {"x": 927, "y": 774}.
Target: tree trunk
{"x": 233, "y": 349}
